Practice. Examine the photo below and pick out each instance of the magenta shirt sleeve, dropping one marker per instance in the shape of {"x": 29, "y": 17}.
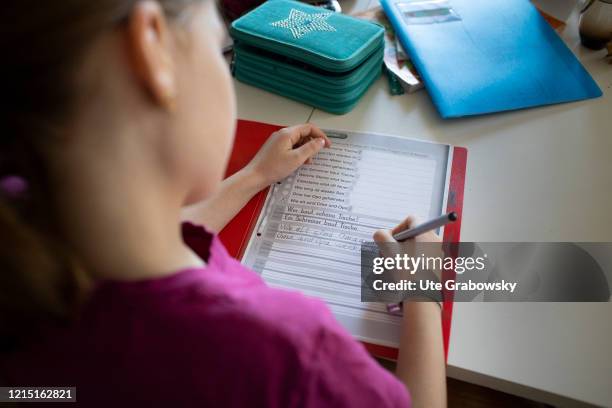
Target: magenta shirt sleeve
{"x": 343, "y": 374}
{"x": 216, "y": 337}
{"x": 337, "y": 370}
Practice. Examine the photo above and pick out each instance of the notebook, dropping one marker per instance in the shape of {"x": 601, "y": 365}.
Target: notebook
{"x": 304, "y": 233}
{"x": 478, "y": 57}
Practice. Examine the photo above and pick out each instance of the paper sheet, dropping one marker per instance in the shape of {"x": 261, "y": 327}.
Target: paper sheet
{"x": 309, "y": 234}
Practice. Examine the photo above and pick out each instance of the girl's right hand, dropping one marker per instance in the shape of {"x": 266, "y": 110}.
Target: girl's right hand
{"x": 285, "y": 151}
{"x": 427, "y": 244}
{"x": 409, "y": 222}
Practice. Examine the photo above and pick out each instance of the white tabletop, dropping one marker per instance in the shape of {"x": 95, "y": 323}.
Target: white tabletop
{"x": 259, "y": 105}
{"x": 541, "y": 174}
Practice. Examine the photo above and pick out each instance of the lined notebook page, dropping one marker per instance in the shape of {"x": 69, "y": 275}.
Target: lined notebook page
{"x": 309, "y": 234}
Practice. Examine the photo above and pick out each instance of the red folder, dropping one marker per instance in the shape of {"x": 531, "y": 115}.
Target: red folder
{"x": 249, "y": 138}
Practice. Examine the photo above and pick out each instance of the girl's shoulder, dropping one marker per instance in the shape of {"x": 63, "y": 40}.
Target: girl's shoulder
{"x": 218, "y": 336}
{"x": 237, "y": 340}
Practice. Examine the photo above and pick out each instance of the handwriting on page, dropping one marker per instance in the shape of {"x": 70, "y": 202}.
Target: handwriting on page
{"x": 348, "y": 192}
{"x": 317, "y": 218}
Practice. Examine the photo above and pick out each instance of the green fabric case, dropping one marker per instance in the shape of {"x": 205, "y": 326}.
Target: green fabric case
{"x": 325, "y": 59}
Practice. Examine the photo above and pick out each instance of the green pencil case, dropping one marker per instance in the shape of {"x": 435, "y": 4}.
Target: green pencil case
{"x": 324, "y": 59}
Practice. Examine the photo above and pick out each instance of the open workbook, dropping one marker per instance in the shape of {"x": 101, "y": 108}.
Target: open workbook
{"x": 305, "y": 232}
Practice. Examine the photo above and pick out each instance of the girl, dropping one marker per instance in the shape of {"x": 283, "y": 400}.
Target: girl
{"x": 116, "y": 115}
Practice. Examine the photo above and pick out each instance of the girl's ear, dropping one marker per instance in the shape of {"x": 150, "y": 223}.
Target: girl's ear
{"x": 150, "y": 50}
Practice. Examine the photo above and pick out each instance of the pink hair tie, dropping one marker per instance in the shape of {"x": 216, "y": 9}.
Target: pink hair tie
{"x": 13, "y": 186}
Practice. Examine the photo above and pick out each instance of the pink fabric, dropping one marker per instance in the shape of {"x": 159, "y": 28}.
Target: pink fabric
{"x": 207, "y": 337}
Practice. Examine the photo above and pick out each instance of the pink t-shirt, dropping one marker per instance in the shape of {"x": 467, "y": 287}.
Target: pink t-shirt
{"x": 209, "y": 337}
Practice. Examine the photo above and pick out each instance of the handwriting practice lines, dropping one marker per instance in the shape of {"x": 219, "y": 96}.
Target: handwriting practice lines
{"x": 309, "y": 235}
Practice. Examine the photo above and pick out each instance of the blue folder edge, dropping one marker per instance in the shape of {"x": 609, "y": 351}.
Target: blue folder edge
{"x": 549, "y": 77}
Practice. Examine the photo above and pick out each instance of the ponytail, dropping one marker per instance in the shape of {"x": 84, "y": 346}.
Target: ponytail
{"x": 39, "y": 286}
{"x": 41, "y": 282}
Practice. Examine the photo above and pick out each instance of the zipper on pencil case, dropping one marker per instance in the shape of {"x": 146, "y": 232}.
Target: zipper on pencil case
{"x": 315, "y": 84}
{"x": 320, "y": 101}
{"x": 338, "y": 84}
{"x": 311, "y": 86}
{"x": 289, "y": 82}
{"x": 328, "y": 63}
{"x": 328, "y": 108}
{"x": 345, "y": 95}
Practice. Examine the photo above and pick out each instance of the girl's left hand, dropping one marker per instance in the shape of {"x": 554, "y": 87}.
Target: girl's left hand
{"x": 285, "y": 151}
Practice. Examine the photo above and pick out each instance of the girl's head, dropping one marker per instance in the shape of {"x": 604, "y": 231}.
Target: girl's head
{"x": 91, "y": 86}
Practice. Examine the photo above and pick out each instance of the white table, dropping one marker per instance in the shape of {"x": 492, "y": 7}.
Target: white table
{"x": 541, "y": 174}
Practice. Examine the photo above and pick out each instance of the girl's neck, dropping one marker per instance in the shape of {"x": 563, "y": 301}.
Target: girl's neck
{"x": 117, "y": 210}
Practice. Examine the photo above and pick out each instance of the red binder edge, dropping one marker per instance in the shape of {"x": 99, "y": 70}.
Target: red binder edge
{"x": 251, "y": 135}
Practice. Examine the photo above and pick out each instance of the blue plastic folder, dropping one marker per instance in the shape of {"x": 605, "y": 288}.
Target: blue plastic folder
{"x": 478, "y": 57}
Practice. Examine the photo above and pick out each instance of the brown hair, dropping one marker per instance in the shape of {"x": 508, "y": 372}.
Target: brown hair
{"x": 41, "y": 44}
